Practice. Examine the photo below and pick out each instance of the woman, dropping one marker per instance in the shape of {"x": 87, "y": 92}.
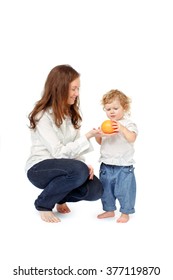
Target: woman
{"x": 56, "y": 163}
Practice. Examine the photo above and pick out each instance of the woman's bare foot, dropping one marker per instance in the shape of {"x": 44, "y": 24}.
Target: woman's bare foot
{"x": 49, "y": 217}
{"x": 107, "y": 214}
{"x": 62, "y": 208}
{"x": 123, "y": 218}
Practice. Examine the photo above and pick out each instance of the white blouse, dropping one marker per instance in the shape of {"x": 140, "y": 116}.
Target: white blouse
{"x": 50, "y": 141}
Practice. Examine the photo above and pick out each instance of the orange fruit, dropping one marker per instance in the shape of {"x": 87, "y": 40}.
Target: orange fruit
{"x": 106, "y": 127}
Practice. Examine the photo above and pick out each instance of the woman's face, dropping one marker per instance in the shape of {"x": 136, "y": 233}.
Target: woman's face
{"x": 73, "y": 91}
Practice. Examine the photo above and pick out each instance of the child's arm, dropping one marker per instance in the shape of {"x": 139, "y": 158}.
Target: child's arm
{"x": 98, "y": 140}
{"x": 129, "y": 135}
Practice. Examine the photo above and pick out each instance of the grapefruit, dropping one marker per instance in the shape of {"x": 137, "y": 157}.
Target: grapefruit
{"x": 106, "y": 127}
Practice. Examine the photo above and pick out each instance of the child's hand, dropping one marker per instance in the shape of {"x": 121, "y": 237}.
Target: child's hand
{"x": 115, "y": 126}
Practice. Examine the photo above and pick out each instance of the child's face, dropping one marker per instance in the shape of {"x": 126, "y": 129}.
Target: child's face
{"x": 114, "y": 110}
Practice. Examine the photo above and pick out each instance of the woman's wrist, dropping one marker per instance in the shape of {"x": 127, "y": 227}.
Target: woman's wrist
{"x": 88, "y": 135}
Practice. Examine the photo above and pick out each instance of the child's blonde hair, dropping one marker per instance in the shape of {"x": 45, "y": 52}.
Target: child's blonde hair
{"x": 113, "y": 94}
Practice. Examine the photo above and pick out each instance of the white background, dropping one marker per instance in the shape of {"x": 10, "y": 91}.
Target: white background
{"x": 113, "y": 44}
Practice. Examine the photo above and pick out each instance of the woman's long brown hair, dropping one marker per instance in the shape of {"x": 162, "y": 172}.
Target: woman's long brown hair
{"x": 55, "y": 96}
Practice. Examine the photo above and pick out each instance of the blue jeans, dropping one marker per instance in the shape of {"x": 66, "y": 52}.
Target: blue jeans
{"x": 118, "y": 183}
{"x": 63, "y": 180}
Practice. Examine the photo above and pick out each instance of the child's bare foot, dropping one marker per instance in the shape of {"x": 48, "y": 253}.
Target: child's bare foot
{"x": 123, "y": 218}
{"x": 49, "y": 217}
{"x": 62, "y": 208}
{"x": 107, "y": 214}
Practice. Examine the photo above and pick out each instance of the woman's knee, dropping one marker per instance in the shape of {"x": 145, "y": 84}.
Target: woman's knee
{"x": 80, "y": 171}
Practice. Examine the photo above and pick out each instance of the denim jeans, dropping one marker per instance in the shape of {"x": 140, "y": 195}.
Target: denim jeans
{"x": 118, "y": 183}
{"x": 63, "y": 180}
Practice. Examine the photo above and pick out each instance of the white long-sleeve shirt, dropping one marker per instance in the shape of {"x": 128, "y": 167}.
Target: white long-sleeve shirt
{"x": 50, "y": 141}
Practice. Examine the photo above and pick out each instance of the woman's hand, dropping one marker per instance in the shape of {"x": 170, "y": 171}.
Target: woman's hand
{"x": 91, "y": 172}
{"x": 93, "y": 133}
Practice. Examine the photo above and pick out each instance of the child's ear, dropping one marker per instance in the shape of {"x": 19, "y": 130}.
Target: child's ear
{"x": 126, "y": 108}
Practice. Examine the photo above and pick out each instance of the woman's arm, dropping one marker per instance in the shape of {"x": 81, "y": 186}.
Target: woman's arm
{"x": 52, "y": 138}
